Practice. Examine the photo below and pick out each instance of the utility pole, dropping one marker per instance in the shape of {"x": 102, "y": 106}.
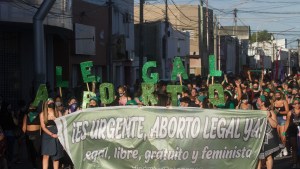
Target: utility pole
{"x": 235, "y": 20}
{"x": 215, "y": 35}
{"x": 109, "y": 43}
{"x": 141, "y": 44}
{"x": 273, "y": 49}
{"x": 207, "y": 34}
{"x": 298, "y": 52}
{"x": 289, "y": 60}
{"x": 165, "y": 40}
{"x": 219, "y": 44}
{"x": 201, "y": 46}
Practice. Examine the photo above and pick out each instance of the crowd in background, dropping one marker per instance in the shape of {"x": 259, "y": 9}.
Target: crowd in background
{"x": 247, "y": 91}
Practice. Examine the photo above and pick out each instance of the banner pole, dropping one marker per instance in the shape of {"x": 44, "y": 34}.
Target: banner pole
{"x": 180, "y": 79}
{"x": 60, "y": 92}
{"x": 94, "y": 87}
{"x": 87, "y": 86}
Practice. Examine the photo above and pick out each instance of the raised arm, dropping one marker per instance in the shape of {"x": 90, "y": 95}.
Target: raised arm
{"x": 225, "y": 79}
{"x": 249, "y": 75}
{"x": 239, "y": 90}
{"x": 262, "y": 78}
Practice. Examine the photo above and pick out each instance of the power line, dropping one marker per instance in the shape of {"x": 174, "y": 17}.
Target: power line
{"x": 266, "y": 12}
{"x": 179, "y": 19}
{"x": 183, "y": 13}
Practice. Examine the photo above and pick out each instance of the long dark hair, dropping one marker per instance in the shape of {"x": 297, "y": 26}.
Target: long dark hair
{"x": 45, "y": 110}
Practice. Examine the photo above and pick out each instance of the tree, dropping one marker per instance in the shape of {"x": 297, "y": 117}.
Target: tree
{"x": 261, "y": 36}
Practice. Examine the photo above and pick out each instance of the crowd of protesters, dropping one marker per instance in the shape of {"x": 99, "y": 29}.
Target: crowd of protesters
{"x": 278, "y": 99}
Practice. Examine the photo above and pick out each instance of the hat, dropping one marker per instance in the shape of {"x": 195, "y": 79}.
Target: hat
{"x": 94, "y": 98}
{"x": 267, "y": 90}
{"x": 297, "y": 99}
{"x": 262, "y": 98}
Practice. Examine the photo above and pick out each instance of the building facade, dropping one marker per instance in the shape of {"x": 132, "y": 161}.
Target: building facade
{"x": 275, "y": 56}
{"x": 178, "y": 45}
{"x": 241, "y": 36}
{"x": 188, "y": 18}
{"x": 112, "y": 43}
{"x": 18, "y": 65}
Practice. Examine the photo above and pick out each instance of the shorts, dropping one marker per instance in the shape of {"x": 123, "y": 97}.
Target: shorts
{"x": 281, "y": 120}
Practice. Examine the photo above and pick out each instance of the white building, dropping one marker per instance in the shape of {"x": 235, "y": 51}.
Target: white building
{"x": 270, "y": 51}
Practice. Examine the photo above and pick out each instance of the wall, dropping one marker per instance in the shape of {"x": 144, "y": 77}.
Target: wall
{"x": 122, "y": 10}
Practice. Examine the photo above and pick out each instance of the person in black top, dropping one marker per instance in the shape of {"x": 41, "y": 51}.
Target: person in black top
{"x": 292, "y": 127}
{"x": 51, "y": 147}
{"x": 271, "y": 144}
{"x": 32, "y": 129}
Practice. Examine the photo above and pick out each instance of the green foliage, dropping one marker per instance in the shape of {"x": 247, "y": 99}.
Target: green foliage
{"x": 261, "y": 36}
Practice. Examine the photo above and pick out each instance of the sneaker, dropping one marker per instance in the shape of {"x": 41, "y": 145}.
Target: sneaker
{"x": 284, "y": 152}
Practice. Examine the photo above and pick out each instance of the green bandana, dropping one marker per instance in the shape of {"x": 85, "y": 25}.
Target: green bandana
{"x": 32, "y": 116}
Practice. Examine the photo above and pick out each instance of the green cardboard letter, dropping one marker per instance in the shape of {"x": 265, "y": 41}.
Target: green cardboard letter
{"x": 107, "y": 88}
{"x": 86, "y": 72}
{"x": 212, "y": 66}
{"x": 59, "y": 81}
{"x": 178, "y": 68}
{"x": 154, "y": 76}
{"x": 219, "y": 89}
{"x": 174, "y": 90}
{"x": 41, "y": 95}
{"x": 86, "y": 98}
{"x": 147, "y": 94}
